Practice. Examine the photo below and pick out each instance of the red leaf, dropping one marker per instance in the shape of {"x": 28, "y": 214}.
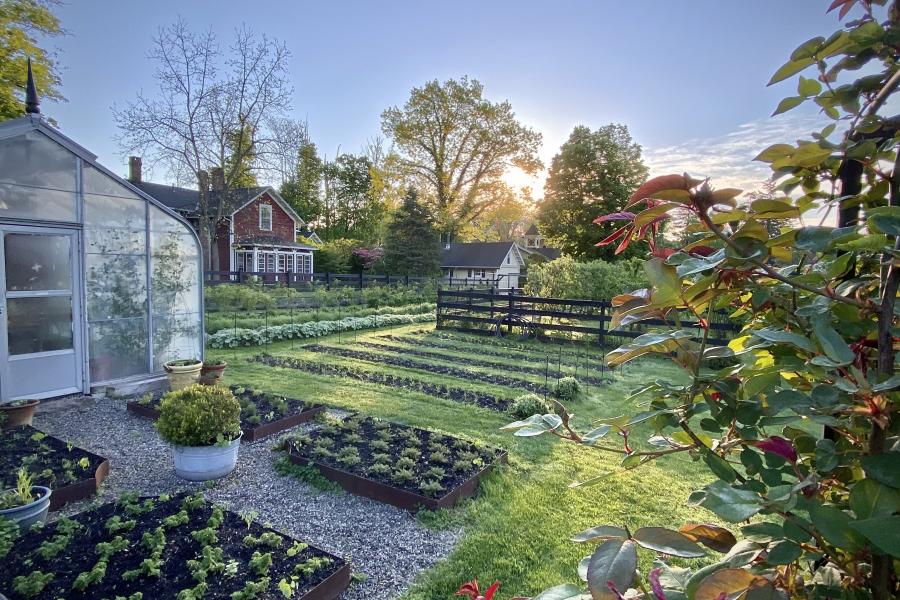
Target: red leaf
{"x": 780, "y": 446}
{"x": 701, "y": 251}
{"x": 656, "y": 185}
{"x": 489, "y": 593}
{"x": 663, "y": 253}
{"x": 655, "y": 585}
{"x": 614, "y": 236}
{"x": 623, "y": 244}
{"x": 469, "y": 589}
{"x": 618, "y": 216}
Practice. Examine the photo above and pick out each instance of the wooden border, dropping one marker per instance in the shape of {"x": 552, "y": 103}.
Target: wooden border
{"x": 250, "y": 435}
{"x": 332, "y": 586}
{"x": 80, "y": 490}
{"x": 382, "y": 492}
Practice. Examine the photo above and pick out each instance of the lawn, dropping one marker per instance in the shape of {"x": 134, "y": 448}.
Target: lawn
{"x": 517, "y": 529}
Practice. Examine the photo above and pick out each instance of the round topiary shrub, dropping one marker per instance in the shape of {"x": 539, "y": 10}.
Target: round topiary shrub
{"x": 529, "y": 404}
{"x": 199, "y": 415}
{"x": 567, "y": 389}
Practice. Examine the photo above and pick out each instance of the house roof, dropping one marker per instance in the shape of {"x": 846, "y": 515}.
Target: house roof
{"x": 533, "y": 230}
{"x": 476, "y": 254}
{"x": 548, "y": 253}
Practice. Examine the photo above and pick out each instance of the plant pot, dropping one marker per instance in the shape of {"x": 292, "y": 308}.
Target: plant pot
{"x": 182, "y": 376}
{"x": 31, "y": 513}
{"x": 202, "y": 463}
{"x": 18, "y": 413}
{"x": 212, "y": 374}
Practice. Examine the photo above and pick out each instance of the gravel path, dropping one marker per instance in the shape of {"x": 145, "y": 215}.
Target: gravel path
{"x": 384, "y": 543}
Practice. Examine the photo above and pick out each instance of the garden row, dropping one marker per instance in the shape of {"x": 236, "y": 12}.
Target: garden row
{"x": 454, "y": 394}
{"x": 227, "y": 296}
{"x": 399, "y": 361}
{"x": 233, "y": 338}
{"x": 544, "y": 371}
{"x": 253, "y": 319}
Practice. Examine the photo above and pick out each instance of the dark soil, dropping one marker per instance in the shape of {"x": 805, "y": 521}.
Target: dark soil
{"x": 458, "y": 459}
{"x": 406, "y": 383}
{"x": 257, "y": 407}
{"x": 549, "y": 370}
{"x": 396, "y": 361}
{"x": 180, "y": 549}
{"x": 52, "y": 462}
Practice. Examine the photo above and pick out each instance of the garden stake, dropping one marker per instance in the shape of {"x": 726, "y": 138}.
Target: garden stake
{"x": 234, "y": 332}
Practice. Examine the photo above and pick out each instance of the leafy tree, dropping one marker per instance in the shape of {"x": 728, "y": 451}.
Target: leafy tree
{"x": 20, "y": 22}
{"x": 241, "y": 159}
{"x": 594, "y": 173}
{"x": 818, "y": 511}
{"x": 412, "y": 243}
{"x": 349, "y": 209}
{"x": 303, "y": 189}
{"x": 456, "y": 144}
{"x": 506, "y": 219}
{"x": 335, "y": 256}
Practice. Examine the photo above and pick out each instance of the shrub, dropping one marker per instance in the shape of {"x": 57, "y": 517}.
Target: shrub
{"x": 527, "y": 405}
{"x": 199, "y": 415}
{"x": 595, "y": 280}
{"x": 567, "y": 389}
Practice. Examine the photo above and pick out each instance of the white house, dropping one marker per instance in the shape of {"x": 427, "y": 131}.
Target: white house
{"x": 497, "y": 264}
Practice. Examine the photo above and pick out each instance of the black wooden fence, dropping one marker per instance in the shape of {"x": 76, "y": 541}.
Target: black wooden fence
{"x": 356, "y": 280}
{"x": 512, "y": 313}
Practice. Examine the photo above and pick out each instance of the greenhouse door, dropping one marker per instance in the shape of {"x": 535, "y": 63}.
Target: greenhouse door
{"x": 40, "y": 331}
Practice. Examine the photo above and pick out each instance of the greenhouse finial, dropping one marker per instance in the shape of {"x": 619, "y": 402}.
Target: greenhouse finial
{"x": 31, "y": 97}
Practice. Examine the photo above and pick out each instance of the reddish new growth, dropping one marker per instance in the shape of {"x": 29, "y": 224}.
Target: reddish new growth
{"x": 470, "y": 589}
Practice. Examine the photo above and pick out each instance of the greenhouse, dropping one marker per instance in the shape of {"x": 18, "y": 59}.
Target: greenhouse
{"x": 101, "y": 283}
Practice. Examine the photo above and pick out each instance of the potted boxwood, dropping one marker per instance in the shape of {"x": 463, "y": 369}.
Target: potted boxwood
{"x": 183, "y": 373}
{"x": 203, "y": 424}
{"x": 17, "y": 412}
{"x": 25, "y": 504}
{"x": 212, "y": 372}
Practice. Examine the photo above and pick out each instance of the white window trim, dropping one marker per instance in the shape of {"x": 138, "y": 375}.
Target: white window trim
{"x": 263, "y": 208}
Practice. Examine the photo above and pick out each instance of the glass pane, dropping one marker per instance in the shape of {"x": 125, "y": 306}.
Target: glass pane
{"x": 175, "y": 283}
{"x": 37, "y": 262}
{"x": 118, "y": 348}
{"x": 173, "y": 243}
{"x": 107, "y": 211}
{"x": 39, "y": 324}
{"x": 96, "y": 182}
{"x": 36, "y": 203}
{"x": 175, "y": 337}
{"x": 162, "y": 221}
{"x": 106, "y": 240}
{"x": 116, "y": 286}
{"x": 33, "y": 159}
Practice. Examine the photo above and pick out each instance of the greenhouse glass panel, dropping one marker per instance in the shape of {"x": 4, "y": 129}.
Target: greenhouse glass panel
{"x": 46, "y": 193}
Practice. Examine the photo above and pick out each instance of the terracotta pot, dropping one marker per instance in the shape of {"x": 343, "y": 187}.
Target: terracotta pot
{"x": 182, "y": 376}
{"x": 212, "y": 374}
{"x": 17, "y": 413}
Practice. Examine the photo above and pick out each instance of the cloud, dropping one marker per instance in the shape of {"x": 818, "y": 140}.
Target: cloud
{"x": 728, "y": 159}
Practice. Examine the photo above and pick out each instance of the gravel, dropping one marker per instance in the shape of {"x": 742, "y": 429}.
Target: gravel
{"x": 384, "y": 543}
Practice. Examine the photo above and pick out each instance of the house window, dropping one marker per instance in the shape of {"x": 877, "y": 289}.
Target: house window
{"x": 480, "y": 273}
{"x": 289, "y": 263}
{"x": 265, "y": 217}
{"x": 508, "y": 259}
{"x": 469, "y": 275}
{"x": 281, "y": 263}
{"x": 261, "y": 262}
{"x": 270, "y": 262}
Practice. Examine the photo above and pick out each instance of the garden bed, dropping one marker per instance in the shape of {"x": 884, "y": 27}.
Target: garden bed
{"x": 71, "y": 472}
{"x": 404, "y": 466}
{"x": 155, "y": 547}
{"x": 437, "y": 390}
{"x": 456, "y": 372}
{"x": 262, "y": 414}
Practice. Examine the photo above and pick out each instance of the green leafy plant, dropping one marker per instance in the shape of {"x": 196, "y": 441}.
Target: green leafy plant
{"x": 32, "y": 584}
{"x": 402, "y": 475}
{"x": 529, "y": 404}
{"x": 199, "y": 415}
{"x": 22, "y": 494}
{"x": 801, "y": 431}
{"x": 431, "y": 487}
{"x": 567, "y": 390}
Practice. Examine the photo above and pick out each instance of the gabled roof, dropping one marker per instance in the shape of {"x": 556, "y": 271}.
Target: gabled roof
{"x": 476, "y": 254}
{"x": 188, "y": 200}
{"x": 533, "y": 230}
{"x": 548, "y": 253}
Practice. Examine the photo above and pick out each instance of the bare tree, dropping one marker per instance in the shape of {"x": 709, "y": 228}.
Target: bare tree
{"x": 212, "y": 109}
{"x": 288, "y": 136}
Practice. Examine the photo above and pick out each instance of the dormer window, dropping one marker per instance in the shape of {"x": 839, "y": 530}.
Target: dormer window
{"x": 265, "y": 217}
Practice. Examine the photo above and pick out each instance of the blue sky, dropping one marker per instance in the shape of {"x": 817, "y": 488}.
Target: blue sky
{"x": 687, "y": 77}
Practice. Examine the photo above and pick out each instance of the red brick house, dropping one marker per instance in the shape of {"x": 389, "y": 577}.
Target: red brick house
{"x": 259, "y": 236}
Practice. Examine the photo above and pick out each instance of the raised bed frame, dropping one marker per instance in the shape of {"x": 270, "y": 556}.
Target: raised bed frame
{"x": 382, "y": 492}
{"x": 251, "y": 434}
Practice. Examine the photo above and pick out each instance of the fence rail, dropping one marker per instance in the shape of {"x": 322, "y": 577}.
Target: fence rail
{"x": 512, "y": 313}
{"x": 357, "y": 280}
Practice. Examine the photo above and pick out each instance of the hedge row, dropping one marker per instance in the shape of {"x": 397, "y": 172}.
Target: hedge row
{"x": 231, "y": 338}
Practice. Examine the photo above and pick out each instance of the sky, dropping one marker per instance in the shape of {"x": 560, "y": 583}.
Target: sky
{"x": 688, "y": 78}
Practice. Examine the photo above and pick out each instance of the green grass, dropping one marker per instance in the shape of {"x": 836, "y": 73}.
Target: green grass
{"x": 517, "y": 529}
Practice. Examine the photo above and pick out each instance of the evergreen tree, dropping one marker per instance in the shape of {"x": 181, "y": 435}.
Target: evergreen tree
{"x": 303, "y": 190}
{"x": 412, "y": 243}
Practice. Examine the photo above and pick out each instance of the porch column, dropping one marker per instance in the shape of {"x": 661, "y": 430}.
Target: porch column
{"x": 255, "y": 258}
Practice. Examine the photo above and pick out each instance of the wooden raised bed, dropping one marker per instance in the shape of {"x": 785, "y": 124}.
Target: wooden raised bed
{"x": 38, "y": 451}
{"x": 252, "y": 432}
{"x": 382, "y": 492}
{"x": 184, "y": 528}
{"x": 393, "y": 463}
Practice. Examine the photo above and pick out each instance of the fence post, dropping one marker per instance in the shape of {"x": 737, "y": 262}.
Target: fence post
{"x": 328, "y": 280}
{"x": 437, "y": 310}
{"x": 602, "y": 339}
{"x": 512, "y": 308}
{"x": 241, "y": 276}
{"x": 361, "y": 283}
{"x": 492, "y": 303}
{"x": 406, "y": 281}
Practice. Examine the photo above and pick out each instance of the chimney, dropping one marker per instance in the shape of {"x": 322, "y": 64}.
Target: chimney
{"x": 217, "y": 176}
{"x": 134, "y": 169}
